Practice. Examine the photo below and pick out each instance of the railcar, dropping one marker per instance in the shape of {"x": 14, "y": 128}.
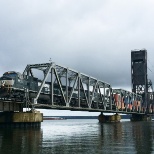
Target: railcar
{"x": 13, "y": 87}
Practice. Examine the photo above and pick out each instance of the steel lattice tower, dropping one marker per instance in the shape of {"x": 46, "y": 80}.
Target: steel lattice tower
{"x": 139, "y": 73}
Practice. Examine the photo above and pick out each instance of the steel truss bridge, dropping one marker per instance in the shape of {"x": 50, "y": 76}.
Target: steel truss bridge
{"x": 66, "y": 89}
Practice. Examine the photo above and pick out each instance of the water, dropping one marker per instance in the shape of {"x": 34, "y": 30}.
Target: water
{"x": 79, "y": 137}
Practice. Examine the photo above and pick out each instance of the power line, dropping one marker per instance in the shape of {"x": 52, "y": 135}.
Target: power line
{"x": 150, "y": 63}
{"x": 149, "y": 69}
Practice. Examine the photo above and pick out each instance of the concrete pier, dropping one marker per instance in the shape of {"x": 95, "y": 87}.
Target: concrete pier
{"x": 21, "y": 119}
{"x": 140, "y": 117}
{"x": 109, "y": 118}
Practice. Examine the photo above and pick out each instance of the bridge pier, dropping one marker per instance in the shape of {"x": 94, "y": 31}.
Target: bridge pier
{"x": 140, "y": 117}
{"x": 109, "y": 118}
{"x": 21, "y": 119}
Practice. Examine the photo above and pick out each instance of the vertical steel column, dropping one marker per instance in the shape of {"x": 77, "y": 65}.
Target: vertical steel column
{"x": 67, "y": 103}
{"x": 88, "y": 88}
{"x": 121, "y": 99}
{"x": 79, "y": 89}
{"x": 97, "y": 96}
{"x": 110, "y": 97}
{"x": 133, "y": 102}
{"x": 52, "y": 86}
{"x": 129, "y": 101}
{"x": 105, "y": 103}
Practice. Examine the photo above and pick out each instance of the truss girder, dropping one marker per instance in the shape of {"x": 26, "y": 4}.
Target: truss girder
{"x": 75, "y": 89}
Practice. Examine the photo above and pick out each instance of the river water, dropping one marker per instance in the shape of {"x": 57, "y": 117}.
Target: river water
{"x": 79, "y": 137}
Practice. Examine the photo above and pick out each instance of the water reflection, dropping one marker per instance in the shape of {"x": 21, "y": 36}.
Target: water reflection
{"x": 20, "y": 140}
{"x": 79, "y": 136}
{"x": 72, "y": 136}
{"x": 114, "y": 138}
{"x": 143, "y": 135}
{"x": 128, "y": 137}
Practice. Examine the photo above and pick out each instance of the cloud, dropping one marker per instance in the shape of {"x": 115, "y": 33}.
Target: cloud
{"x": 93, "y": 37}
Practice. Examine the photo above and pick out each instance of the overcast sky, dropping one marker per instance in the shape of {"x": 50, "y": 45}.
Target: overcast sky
{"x": 93, "y": 37}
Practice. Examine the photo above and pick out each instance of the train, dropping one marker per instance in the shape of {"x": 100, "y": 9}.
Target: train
{"x": 13, "y": 87}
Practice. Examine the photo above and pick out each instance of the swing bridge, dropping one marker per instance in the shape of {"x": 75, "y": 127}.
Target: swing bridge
{"x": 52, "y": 86}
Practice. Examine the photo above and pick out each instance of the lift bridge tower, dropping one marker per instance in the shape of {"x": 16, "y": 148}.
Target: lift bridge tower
{"x": 140, "y": 83}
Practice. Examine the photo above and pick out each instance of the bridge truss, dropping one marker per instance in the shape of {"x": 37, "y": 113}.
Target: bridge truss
{"x": 64, "y": 88}
{"x": 74, "y": 89}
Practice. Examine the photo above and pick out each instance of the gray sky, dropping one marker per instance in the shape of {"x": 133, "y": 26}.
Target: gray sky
{"x": 93, "y": 37}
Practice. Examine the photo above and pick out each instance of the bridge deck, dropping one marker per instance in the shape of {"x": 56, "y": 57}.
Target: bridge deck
{"x": 43, "y": 106}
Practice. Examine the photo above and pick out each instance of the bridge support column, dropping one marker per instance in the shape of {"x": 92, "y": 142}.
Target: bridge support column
{"x": 140, "y": 117}
{"x": 109, "y": 118}
{"x": 21, "y": 119}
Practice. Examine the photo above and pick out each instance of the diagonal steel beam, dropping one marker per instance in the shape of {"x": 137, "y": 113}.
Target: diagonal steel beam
{"x": 43, "y": 82}
{"x": 59, "y": 82}
{"x": 73, "y": 89}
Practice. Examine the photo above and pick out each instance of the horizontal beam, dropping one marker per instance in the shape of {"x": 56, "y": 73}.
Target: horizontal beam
{"x": 43, "y": 106}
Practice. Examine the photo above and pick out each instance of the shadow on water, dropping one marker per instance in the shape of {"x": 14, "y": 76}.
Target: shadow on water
{"x": 127, "y": 137}
{"x": 20, "y": 140}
